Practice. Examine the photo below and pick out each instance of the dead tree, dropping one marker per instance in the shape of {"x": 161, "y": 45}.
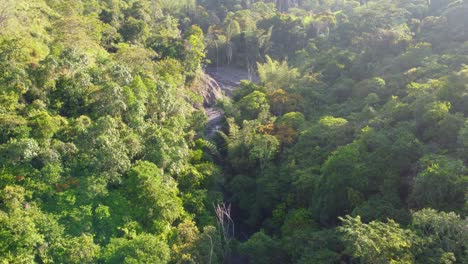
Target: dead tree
{"x": 225, "y": 227}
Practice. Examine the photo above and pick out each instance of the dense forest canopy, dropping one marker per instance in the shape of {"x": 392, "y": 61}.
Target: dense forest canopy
{"x": 352, "y": 146}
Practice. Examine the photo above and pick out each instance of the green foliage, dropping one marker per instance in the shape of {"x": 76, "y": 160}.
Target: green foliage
{"x": 20, "y": 236}
{"x": 144, "y": 248}
{"x": 253, "y": 105}
{"x": 342, "y": 179}
{"x": 377, "y": 242}
{"x": 261, "y": 248}
{"x": 318, "y": 141}
{"x": 359, "y": 108}
{"x": 147, "y": 185}
{"x": 275, "y": 74}
{"x": 81, "y": 250}
{"x": 292, "y": 119}
{"x": 444, "y": 235}
{"x": 84, "y": 89}
{"x": 441, "y": 184}
{"x": 463, "y": 140}
{"x": 195, "y": 53}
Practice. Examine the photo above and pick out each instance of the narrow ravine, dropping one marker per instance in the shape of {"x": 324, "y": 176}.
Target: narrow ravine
{"x": 227, "y": 79}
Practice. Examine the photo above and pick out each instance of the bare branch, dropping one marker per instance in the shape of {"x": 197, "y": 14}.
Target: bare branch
{"x": 225, "y": 226}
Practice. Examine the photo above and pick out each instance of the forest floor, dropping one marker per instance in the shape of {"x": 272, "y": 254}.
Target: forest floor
{"x": 229, "y": 79}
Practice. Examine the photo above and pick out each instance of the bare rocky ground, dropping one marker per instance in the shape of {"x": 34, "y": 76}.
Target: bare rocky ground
{"x": 226, "y": 79}
{"x": 229, "y": 78}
